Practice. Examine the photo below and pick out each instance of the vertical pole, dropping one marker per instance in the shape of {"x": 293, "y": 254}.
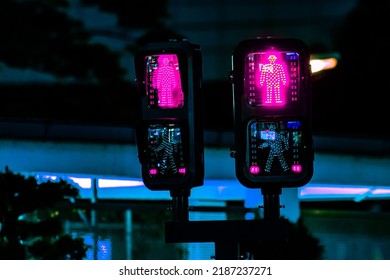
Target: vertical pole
{"x": 94, "y": 219}
{"x": 128, "y": 233}
{"x": 180, "y": 205}
{"x": 227, "y": 251}
{"x": 271, "y": 202}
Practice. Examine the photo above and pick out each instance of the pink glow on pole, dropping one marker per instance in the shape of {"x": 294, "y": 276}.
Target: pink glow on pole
{"x": 167, "y": 82}
{"x": 272, "y": 80}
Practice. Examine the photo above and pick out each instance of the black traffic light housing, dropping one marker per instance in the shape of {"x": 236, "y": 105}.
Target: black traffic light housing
{"x": 170, "y": 131}
{"x": 272, "y": 113}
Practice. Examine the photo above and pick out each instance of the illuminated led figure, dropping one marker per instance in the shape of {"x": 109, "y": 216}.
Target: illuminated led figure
{"x": 166, "y": 82}
{"x": 272, "y": 76}
{"x": 166, "y": 150}
{"x": 277, "y": 143}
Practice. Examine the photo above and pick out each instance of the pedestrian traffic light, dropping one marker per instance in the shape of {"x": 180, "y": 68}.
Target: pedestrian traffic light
{"x": 170, "y": 131}
{"x": 272, "y": 112}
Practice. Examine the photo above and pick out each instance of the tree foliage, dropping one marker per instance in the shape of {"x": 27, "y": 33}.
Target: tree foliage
{"x": 39, "y": 35}
{"x": 301, "y": 245}
{"x": 150, "y": 16}
{"x": 140, "y": 14}
{"x": 31, "y": 222}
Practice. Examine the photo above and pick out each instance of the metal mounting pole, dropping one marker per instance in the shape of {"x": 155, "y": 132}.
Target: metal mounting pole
{"x": 271, "y": 202}
{"x": 180, "y": 205}
{"x": 227, "y": 251}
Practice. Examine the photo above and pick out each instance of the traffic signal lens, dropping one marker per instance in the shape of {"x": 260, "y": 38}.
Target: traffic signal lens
{"x": 164, "y": 87}
{"x": 271, "y": 78}
{"x": 275, "y": 148}
{"x": 165, "y": 150}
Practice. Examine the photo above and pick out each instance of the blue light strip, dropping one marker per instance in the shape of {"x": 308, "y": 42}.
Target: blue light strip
{"x": 133, "y": 188}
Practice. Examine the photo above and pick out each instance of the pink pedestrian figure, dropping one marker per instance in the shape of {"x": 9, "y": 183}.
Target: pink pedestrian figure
{"x": 166, "y": 85}
{"x": 272, "y": 76}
